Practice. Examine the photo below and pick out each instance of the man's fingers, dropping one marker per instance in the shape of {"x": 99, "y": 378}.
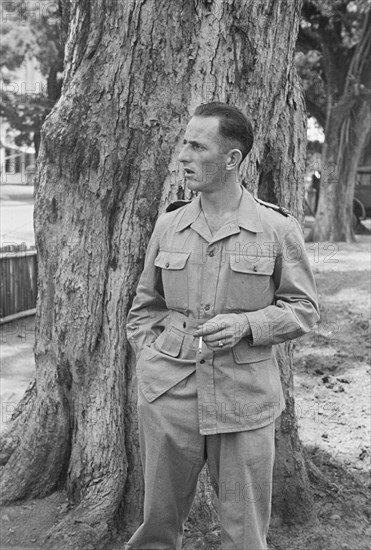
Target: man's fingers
{"x": 218, "y": 328}
{"x": 212, "y": 338}
{"x": 213, "y": 346}
{"x": 208, "y": 328}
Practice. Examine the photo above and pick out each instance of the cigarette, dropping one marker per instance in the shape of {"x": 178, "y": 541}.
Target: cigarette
{"x": 200, "y": 344}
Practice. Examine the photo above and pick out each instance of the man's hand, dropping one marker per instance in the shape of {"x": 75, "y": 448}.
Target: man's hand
{"x": 224, "y": 331}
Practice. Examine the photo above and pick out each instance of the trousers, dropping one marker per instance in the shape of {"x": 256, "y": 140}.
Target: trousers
{"x": 173, "y": 453}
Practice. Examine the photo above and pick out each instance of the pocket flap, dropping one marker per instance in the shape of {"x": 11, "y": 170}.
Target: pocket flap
{"x": 243, "y": 352}
{"x": 170, "y": 342}
{"x": 171, "y": 260}
{"x": 262, "y": 265}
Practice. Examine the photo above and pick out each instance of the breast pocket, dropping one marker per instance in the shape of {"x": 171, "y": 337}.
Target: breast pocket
{"x": 250, "y": 284}
{"x": 174, "y": 278}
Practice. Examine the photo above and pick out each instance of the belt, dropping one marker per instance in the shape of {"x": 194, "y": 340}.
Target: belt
{"x": 185, "y": 324}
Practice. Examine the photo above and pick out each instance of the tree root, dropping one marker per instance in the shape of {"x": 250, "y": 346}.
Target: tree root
{"x": 10, "y": 439}
{"x": 89, "y": 525}
{"x": 35, "y": 449}
{"x": 315, "y": 475}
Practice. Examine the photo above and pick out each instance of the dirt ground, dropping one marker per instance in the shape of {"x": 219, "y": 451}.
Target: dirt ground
{"x": 332, "y": 380}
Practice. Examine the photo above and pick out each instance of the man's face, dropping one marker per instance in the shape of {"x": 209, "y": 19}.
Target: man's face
{"x": 202, "y": 155}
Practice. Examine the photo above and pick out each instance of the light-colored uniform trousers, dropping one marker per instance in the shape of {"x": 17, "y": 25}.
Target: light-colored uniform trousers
{"x": 173, "y": 454}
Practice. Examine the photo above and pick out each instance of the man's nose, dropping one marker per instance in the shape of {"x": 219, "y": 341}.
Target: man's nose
{"x": 183, "y": 155}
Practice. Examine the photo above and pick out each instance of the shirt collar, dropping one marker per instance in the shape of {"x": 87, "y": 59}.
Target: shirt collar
{"x": 190, "y": 214}
{"x": 247, "y": 214}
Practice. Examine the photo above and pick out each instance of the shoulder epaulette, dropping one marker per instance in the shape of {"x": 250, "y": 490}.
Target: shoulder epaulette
{"x": 175, "y": 205}
{"x": 281, "y": 209}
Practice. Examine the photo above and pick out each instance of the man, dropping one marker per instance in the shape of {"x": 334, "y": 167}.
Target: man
{"x": 225, "y": 278}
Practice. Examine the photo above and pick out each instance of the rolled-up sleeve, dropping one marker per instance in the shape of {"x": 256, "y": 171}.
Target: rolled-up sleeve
{"x": 295, "y": 309}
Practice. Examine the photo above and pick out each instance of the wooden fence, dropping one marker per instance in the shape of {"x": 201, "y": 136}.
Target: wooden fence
{"x": 18, "y": 282}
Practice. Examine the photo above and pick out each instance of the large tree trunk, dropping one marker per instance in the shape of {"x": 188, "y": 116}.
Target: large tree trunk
{"x": 345, "y": 139}
{"x": 347, "y": 128}
{"x": 107, "y": 166}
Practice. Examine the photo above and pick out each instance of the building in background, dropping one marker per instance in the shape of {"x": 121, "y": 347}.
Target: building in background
{"x": 18, "y": 162}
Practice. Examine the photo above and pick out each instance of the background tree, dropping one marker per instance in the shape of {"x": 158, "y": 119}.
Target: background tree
{"x": 31, "y": 30}
{"x": 135, "y": 71}
{"x": 335, "y": 45}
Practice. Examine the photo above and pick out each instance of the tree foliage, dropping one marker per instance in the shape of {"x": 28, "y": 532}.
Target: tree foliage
{"x": 31, "y": 30}
{"x": 333, "y": 58}
{"x": 328, "y": 36}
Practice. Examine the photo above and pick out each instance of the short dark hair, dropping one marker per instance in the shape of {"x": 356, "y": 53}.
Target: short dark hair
{"x": 234, "y": 126}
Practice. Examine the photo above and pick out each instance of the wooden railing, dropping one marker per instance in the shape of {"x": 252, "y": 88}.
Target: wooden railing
{"x": 18, "y": 282}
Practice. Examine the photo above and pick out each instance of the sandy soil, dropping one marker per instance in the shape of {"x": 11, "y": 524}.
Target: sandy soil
{"x": 332, "y": 383}
{"x": 332, "y": 379}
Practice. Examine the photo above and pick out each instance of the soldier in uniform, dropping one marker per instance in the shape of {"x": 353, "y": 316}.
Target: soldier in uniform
{"x": 226, "y": 277}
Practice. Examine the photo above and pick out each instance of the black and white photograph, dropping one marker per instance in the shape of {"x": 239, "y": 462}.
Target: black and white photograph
{"x": 185, "y": 258}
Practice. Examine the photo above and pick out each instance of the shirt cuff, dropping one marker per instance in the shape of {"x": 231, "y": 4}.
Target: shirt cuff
{"x": 259, "y": 328}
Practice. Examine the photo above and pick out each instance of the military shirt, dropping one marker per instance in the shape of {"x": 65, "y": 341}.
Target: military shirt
{"x": 255, "y": 266}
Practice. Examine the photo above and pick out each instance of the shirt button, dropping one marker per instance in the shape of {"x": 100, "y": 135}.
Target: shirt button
{"x": 184, "y": 324}
{"x": 211, "y": 253}
{"x": 207, "y": 307}
{"x": 255, "y": 268}
{"x": 167, "y": 264}
{"x": 202, "y": 361}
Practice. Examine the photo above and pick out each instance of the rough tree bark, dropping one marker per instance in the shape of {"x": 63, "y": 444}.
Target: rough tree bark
{"x": 107, "y": 166}
{"x": 348, "y": 123}
{"x": 365, "y": 159}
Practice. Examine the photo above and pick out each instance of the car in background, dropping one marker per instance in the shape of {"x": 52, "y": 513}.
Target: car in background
{"x": 361, "y": 199}
{"x": 362, "y": 193}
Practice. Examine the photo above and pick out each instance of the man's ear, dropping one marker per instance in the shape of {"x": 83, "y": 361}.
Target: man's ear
{"x": 234, "y": 159}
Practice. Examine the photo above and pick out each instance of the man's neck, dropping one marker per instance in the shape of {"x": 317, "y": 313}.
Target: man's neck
{"x": 223, "y": 203}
